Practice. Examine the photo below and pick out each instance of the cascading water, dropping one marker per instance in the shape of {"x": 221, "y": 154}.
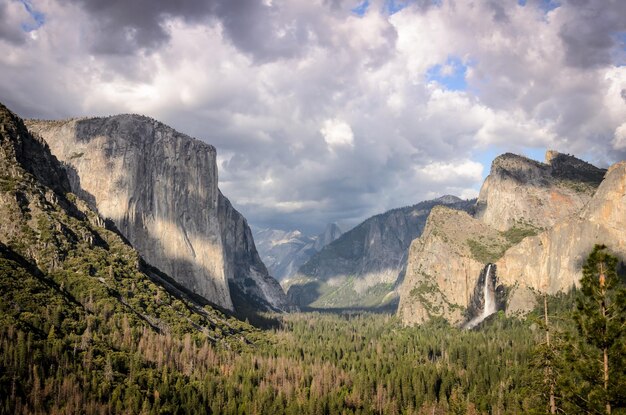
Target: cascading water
{"x": 489, "y": 299}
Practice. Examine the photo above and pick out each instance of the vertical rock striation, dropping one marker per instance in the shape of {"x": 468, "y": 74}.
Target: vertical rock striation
{"x": 520, "y": 192}
{"x": 160, "y": 189}
{"x": 552, "y": 261}
{"x": 557, "y": 201}
{"x": 251, "y": 285}
{"x": 443, "y": 266}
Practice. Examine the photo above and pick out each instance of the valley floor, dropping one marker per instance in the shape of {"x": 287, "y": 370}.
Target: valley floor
{"x": 313, "y": 363}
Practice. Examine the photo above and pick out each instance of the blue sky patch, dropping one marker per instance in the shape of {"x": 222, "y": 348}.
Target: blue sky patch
{"x": 393, "y": 6}
{"x": 38, "y": 17}
{"x": 545, "y": 5}
{"x": 451, "y": 75}
{"x": 361, "y": 8}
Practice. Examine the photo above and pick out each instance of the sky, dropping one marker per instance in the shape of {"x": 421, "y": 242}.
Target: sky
{"x": 333, "y": 110}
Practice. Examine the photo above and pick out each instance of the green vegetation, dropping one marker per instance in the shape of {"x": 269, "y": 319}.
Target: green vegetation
{"x": 517, "y": 233}
{"x": 582, "y": 362}
{"x": 348, "y": 294}
{"x": 487, "y": 250}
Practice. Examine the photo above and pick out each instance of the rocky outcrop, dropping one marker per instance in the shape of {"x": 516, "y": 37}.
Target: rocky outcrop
{"x": 251, "y": 285}
{"x": 552, "y": 261}
{"x": 159, "y": 187}
{"x": 361, "y": 268}
{"x": 330, "y": 234}
{"x": 57, "y": 253}
{"x": 443, "y": 266}
{"x": 284, "y": 252}
{"x": 520, "y": 192}
{"x": 519, "y": 200}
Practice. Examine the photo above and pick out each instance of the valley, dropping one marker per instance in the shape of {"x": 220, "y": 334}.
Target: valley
{"x": 134, "y": 286}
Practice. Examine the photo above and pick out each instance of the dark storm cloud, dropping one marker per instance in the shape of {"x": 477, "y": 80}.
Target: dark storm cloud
{"x": 257, "y": 29}
{"x": 122, "y": 27}
{"x": 588, "y": 34}
{"x": 9, "y": 30}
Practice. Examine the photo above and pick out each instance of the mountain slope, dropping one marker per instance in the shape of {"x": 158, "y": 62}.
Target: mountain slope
{"x": 519, "y": 190}
{"x": 159, "y": 187}
{"x": 78, "y": 306}
{"x": 552, "y": 261}
{"x": 360, "y": 268}
{"x": 284, "y": 252}
{"x": 443, "y": 264}
{"x": 520, "y": 198}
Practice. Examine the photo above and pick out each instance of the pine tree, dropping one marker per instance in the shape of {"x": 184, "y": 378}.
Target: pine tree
{"x": 601, "y": 321}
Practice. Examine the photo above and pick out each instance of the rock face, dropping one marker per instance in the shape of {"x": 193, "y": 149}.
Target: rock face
{"x": 251, "y": 286}
{"x": 552, "y": 261}
{"x": 284, "y": 252}
{"x": 443, "y": 266}
{"x": 524, "y": 192}
{"x": 159, "y": 187}
{"x": 532, "y": 219}
{"x": 361, "y": 268}
{"x": 330, "y": 234}
{"x": 56, "y": 252}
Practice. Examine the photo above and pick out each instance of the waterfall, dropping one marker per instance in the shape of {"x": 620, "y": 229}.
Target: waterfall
{"x": 489, "y": 299}
{"x": 489, "y": 293}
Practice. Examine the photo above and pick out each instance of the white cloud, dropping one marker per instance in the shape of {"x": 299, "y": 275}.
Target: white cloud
{"x": 265, "y": 94}
{"x": 451, "y": 172}
{"x": 619, "y": 139}
{"x": 337, "y": 133}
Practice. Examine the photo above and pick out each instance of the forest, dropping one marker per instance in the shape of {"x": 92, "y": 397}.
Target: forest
{"x": 71, "y": 361}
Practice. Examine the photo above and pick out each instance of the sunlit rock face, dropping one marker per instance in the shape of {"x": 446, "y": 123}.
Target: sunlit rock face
{"x": 442, "y": 268}
{"x": 524, "y": 192}
{"x": 552, "y": 261}
{"x": 535, "y": 221}
{"x": 160, "y": 188}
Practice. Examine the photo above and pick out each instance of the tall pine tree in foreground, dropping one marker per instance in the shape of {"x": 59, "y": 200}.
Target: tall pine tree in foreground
{"x": 598, "y": 358}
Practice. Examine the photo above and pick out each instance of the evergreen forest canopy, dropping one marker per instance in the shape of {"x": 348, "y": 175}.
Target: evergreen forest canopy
{"x": 60, "y": 357}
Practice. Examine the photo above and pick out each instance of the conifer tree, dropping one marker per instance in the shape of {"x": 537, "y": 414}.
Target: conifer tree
{"x": 601, "y": 321}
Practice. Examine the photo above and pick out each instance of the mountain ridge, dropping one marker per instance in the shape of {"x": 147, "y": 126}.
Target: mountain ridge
{"x": 361, "y": 268}
{"x": 521, "y": 208}
{"x": 160, "y": 189}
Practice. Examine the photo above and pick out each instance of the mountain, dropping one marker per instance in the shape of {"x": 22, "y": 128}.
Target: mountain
{"x": 551, "y": 261}
{"x": 361, "y": 268}
{"x": 527, "y": 222}
{"x": 86, "y": 319}
{"x": 330, "y": 234}
{"x": 285, "y": 251}
{"x": 521, "y": 191}
{"x": 159, "y": 188}
{"x": 56, "y": 253}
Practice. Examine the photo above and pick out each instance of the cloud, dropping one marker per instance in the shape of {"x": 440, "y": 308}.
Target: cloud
{"x": 322, "y": 114}
{"x": 588, "y": 30}
{"x": 337, "y": 133}
{"x": 619, "y": 139}
{"x": 13, "y": 16}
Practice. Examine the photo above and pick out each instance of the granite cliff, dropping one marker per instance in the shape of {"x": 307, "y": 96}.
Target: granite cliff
{"x": 159, "y": 188}
{"x": 56, "y": 253}
{"x": 552, "y": 261}
{"x": 521, "y": 191}
{"x": 363, "y": 266}
{"x": 531, "y": 221}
